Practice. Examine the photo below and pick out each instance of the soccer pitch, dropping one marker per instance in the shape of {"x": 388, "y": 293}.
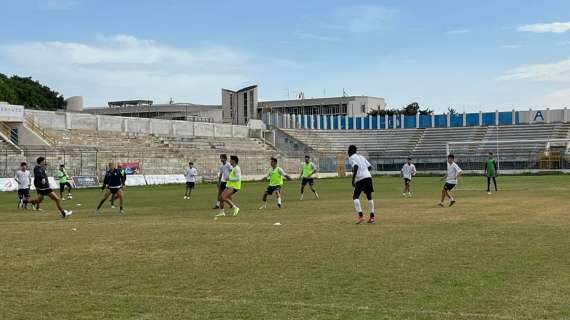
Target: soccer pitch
{"x": 500, "y": 256}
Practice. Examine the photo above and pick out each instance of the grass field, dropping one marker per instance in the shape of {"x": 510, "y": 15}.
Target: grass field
{"x": 504, "y": 256}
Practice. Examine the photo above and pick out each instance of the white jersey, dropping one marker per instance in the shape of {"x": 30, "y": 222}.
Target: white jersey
{"x": 191, "y": 174}
{"x": 408, "y": 171}
{"x": 363, "y": 164}
{"x": 23, "y": 178}
{"x": 225, "y": 170}
{"x": 453, "y": 172}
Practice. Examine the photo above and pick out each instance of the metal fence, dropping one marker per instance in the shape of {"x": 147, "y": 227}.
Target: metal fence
{"x": 94, "y": 162}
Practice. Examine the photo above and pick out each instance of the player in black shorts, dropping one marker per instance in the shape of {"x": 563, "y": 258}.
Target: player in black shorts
{"x": 43, "y": 189}
{"x": 114, "y": 183}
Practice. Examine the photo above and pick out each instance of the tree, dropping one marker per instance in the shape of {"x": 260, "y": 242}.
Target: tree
{"x": 410, "y": 110}
{"x": 29, "y": 93}
{"x": 452, "y": 110}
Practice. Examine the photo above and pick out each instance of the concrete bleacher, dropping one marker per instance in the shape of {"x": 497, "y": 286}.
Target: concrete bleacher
{"x": 430, "y": 143}
{"x": 378, "y": 142}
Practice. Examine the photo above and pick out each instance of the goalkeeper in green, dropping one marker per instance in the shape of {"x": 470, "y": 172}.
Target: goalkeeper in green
{"x": 491, "y": 169}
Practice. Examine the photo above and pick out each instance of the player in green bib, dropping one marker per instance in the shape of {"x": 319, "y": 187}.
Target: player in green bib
{"x": 63, "y": 179}
{"x": 308, "y": 176}
{"x": 233, "y": 185}
{"x": 275, "y": 176}
{"x": 491, "y": 169}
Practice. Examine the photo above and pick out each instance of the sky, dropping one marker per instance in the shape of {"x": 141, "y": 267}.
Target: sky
{"x": 469, "y": 55}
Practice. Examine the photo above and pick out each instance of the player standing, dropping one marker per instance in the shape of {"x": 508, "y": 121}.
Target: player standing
{"x": 24, "y": 179}
{"x": 233, "y": 185}
{"x": 451, "y": 178}
{"x": 113, "y": 183}
{"x": 408, "y": 171}
{"x": 123, "y": 182}
{"x": 43, "y": 189}
{"x": 307, "y": 176}
{"x": 63, "y": 179}
{"x": 491, "y": 170}
{"x": 275, "y": 176}
{"x": 225, "y": 169}
{"x": 362, "y": 182}
{"x": 191, "y": 174}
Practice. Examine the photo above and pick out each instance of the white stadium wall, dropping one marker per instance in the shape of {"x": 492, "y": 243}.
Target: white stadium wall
{"x": 56, "y": 120}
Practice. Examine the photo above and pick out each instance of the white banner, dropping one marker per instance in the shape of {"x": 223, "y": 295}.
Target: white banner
{"x": 11, "y": 113}
{"x": 165, "y": 179}
{"x": 8, "y": 184}
{"x": 135, "y": 180}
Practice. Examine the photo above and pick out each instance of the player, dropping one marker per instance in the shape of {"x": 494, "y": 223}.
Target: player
{"x": 362, "y": 182}
{"x": 114, "y": 184}
{"x": 275, "y": 176}
{"x": 223, "y": 175}
{"x": 408, "y": 171}
{"x": 24, "y": 179}
{"x": 453, "y": 173}
{"x": 491, "y": 170}
{"x": 63, "y": 179}
{"x": 233, "y": 185}
{"x": 123, "y": 183}
{"x": 191, "y": 174}
{"x": 43, "y": 189}
{"x": 307, "y": 176}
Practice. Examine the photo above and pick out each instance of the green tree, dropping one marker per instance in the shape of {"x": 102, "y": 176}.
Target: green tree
{"x": 29, "y": 93}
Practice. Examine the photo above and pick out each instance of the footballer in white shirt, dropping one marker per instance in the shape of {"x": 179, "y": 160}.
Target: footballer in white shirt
{"x": 224, "y": 173}
{"x": 362, "y": 182}
{"x": 408, "y": 172}
{"x": 191, "y": 174}
{"x": 24, "y": 179}
{"x": 451, "y": 178}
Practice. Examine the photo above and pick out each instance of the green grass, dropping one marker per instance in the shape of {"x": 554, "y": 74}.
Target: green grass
{"x": 505, "y": 256}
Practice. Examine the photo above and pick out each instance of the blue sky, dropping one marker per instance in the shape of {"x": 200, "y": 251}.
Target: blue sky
{"x": 466, "y": 54}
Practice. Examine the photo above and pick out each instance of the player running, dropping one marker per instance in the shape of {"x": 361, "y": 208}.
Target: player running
{"x": 43, "y": 189}
{"x": 275, "y": 176}
{"x": 451, "y": 178}
{"x": 233, "y": 185}
{"x": 491, "y": 170}
{"x": 24, "y": 179}
{"x": 190, "y": 175}
{"x": 408, "y": 171}
{"x": 225, "y": 169}
{"x": 114, "y": 185}
{"x": 123, "y": 182}
{"x": 362, "y": 182}
{"x": 307, "y": 176}
{"x": 63, "y": 179}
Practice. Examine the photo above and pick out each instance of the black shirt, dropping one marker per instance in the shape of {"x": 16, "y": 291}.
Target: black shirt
{"x": 40, "y": 178}
{"x": 113, "y": 179}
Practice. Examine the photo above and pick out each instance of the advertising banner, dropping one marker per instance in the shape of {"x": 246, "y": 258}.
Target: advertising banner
{"x": 135, "y": 180}
{"x": 165, "y": 179}
{"x": 11, "y": 113}
{"x": 86, "y": 181}
{"x": 8, "y": 184}
{"x": 130, "y": 167}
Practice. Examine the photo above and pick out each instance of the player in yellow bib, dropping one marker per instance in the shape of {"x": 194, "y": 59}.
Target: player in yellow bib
{"x": 308, "y": 176}
{"x": 275, "y": 176}
{"x": 233, "y": 185}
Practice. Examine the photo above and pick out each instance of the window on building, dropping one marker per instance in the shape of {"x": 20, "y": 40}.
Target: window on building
{"x": 245, "y": 106}
{"x": 363, "y": 108}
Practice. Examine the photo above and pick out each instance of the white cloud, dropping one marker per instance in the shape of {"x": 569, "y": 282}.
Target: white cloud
{"x": 126, "y": 67}
{"x": 559, "y": 72}
{"x": 555, "y": 99}
{"x": 313, "y": 36}
{"x": 363, "y": 18}
{"x": 457, "y": 31}
{"x": 554, "y": 27}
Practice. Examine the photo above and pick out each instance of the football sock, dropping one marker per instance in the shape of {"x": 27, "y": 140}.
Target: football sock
{"x": 357, "y": 206}
{"x": 371, "y": 207}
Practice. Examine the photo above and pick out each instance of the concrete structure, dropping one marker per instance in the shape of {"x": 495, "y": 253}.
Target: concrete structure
{"x": 239, "y": 106}
{"x": 174, "y": 111}
{"x": 353, "y": 106}
{"x": 74, "y": 104}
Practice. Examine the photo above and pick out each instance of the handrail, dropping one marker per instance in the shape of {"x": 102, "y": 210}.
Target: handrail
{"x": 35, "y": 127}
